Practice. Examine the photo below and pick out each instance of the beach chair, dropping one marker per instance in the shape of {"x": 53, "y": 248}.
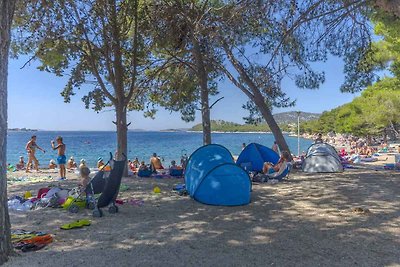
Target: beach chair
{"x": 283, "y": 172}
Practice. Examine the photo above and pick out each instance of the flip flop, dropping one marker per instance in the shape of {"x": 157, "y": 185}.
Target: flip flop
{"x": 76, "y": 224}
{"x": 32, "y": 247}
{"x": 84, "y": 222}
{"x": 69, "y": 226}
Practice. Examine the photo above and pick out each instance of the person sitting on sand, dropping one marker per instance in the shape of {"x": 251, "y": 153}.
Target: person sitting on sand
{"x": 270, "y": 168}
{"x": 31, "y": 149}
{"x": 21, "y": 163}
{"x": 155, "y": 163}
{"x": 100, "y": 163}
{"x": 71, "y": 163}
{"x": 174, "y": 166}
{"x": 52, "y": 164}
{"x": 136, "y": 162}
{"x": 82, "y": 164}
{"x": 319, "y": 139}
{"x": 143, "y": 166}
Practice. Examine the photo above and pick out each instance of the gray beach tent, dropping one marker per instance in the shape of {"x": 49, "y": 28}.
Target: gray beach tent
{"x": 322, "y": 157}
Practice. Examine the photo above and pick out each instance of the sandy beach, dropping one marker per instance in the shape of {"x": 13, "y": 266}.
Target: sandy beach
{"x": 309, "y": 220}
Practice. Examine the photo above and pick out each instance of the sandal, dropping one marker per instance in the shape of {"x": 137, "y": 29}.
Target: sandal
{"x": 32, "y": 247}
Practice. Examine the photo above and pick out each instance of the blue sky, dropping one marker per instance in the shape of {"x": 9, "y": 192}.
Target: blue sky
{"x": 34, "y": 101}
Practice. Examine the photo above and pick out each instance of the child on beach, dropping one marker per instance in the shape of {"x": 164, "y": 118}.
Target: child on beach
{"x": 52, "y": 164}
{"x": 21, "y": 164}
{"x": 84, "y": 173}
{"x": 82, "y": 164}
{"x": 61, "y": 159}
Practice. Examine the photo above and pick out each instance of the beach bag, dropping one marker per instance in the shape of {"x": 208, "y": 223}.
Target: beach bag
{"x": 42, "y": 192}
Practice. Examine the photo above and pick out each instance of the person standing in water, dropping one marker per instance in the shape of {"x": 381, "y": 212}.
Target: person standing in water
{"x": 61, "y": 159}
{"x": 31, "y": 149}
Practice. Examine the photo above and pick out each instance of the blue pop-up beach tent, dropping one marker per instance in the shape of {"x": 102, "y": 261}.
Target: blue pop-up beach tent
{"x": 254, "y": 155}
{"x": 212, "y": 177}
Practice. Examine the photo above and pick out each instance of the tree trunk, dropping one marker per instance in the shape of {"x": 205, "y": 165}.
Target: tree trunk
{"x": 6, "y": 14}
{"x": 122, "y": 133}
{"x": 255, "y": 95}
{"x": 274, "y": 127}
{"x": 205, "y": 105}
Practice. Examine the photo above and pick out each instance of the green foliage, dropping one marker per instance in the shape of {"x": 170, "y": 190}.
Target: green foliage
{"x": 224, "y": 126}
{"x": 370, "y": 114}
{"x": 178, "y": 74}
{"x": 99, "y": 45}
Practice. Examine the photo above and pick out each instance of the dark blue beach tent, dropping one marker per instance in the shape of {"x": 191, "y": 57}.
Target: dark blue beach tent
{"x": 212, "y": 177}
{"x": 254, "y": 155}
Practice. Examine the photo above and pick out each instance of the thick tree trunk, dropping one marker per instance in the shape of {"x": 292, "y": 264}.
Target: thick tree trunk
{"x": 274, "y": 127}
{"x": 122, "y": 133}
{"x": 205, "y": 105}
{"x": 6, "y": 14}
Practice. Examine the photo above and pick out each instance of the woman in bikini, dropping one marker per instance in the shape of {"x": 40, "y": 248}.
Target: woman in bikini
{"x": 31, "y": 149}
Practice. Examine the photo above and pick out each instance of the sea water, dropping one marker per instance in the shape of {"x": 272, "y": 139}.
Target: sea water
{"x": 168, "y": 145}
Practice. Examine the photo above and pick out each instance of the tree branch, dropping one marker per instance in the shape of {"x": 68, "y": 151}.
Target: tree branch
{"x": 216, "y": 101}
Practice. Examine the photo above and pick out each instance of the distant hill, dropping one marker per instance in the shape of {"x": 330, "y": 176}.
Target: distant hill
{"x": 291, "y": 117}
{"x": 286, "y": 120}
{"x": 22, "y": 130}
{"x": 226, "y": 126}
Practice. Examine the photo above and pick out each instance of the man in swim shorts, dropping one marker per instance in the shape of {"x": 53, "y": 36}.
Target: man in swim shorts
{"x": 61, "y": 159}
{"x": 31, "y": 149}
